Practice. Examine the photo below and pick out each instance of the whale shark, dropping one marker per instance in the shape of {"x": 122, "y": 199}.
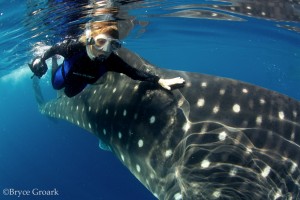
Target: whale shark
{"x": 214, "y": 138}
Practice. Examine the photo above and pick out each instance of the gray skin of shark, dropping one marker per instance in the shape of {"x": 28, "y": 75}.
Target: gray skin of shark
{"x": 214, "y": 138}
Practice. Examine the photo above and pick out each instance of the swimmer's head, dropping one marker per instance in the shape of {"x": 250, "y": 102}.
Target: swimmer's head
{"x": 101, "y": 38}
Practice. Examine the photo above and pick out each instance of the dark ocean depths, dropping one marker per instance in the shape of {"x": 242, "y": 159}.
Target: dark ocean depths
{"x": 253, "y": 42}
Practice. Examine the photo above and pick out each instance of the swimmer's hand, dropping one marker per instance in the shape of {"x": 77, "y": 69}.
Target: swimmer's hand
{"x": 38, "y": 67}
{"x": 167, "y": 83}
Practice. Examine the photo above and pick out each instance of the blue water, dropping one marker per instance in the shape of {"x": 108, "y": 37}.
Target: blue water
{"x": 38, "y": 152}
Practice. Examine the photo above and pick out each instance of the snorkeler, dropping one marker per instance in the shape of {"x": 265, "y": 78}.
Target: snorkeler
{"x": 89, "y": 58}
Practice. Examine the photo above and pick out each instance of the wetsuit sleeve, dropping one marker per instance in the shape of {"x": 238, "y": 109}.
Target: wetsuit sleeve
{"x": 116, "y": 64}
{"x": 65, "y": 49}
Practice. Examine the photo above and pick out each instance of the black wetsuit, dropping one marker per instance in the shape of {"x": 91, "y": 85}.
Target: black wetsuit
{"x": 78, "y": 69}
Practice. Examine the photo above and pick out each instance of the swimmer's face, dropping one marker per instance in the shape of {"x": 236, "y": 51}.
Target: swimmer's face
{"x": 103, "y": 45}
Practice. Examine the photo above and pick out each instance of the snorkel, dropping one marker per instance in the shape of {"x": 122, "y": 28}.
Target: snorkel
{"x": 89, "y": 44}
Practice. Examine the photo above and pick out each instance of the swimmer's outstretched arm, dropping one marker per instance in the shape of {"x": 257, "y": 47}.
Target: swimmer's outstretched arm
{"x": 116, "y": 64}
{"x": 65, "y": 49}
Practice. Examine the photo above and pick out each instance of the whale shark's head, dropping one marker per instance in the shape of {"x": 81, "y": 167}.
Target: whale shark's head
{"x": 215, "y": 138}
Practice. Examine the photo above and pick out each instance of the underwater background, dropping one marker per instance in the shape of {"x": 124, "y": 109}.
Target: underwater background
{"x": 254, "y": 42}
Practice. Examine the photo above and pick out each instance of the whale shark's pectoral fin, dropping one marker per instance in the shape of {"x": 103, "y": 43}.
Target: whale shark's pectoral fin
{"x": 104, "y": 146}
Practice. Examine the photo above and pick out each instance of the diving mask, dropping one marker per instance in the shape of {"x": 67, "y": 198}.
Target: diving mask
{"x": 102, "y": 46}
{"x": 104, "y": 43}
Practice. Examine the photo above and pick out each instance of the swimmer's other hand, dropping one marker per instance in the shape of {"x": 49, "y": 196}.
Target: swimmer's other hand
{"x": 38, "y": 67}
{"x": 167, "y": 83}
